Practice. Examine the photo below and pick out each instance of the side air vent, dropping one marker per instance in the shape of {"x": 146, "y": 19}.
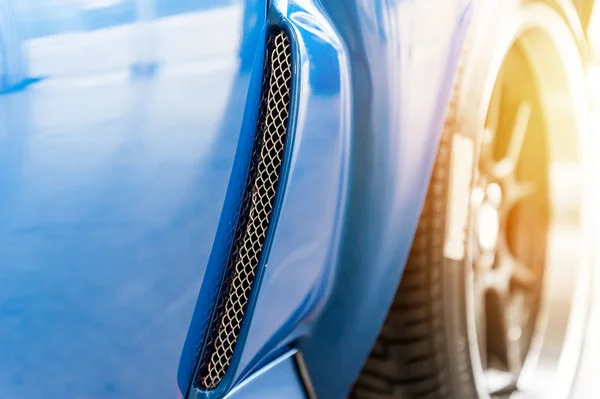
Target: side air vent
{"x": 255, "y": 212}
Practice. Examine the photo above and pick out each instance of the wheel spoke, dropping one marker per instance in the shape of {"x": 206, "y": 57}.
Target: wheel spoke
{"x": 519, "y": 130}
{"x": 508, "y": 164}
{"x": 513, "y": 332}
{"x": 493, "y": 116}
{"x": 486, "y": 154}
{"x": 516, "y": 192}
{"x": 515, "y": 271}
{"x": 504, "y": 313}
{"x": 523, "y": 276}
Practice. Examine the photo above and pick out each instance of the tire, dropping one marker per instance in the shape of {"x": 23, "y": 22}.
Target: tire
{"x": 430, "y": 345}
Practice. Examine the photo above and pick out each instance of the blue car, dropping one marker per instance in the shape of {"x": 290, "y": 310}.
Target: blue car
{"x": 368, "y": 199}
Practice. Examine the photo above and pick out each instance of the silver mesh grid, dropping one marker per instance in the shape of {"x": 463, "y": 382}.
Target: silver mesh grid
{"x": 255, "y": 213}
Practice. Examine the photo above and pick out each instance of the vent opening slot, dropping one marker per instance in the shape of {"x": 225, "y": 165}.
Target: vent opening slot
{"x": 255, "y": 212}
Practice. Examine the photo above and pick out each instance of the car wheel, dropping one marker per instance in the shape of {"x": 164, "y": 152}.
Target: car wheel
{"x": 496, "y": 289}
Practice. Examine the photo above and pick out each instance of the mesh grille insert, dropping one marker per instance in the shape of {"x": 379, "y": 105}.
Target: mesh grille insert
{"x": 255, "y": 213}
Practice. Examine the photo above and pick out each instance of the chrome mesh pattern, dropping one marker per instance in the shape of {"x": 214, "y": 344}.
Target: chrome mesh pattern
{"x": 255, "y": 213}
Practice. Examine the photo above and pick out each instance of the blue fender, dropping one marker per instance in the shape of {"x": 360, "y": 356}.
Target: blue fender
{"x": 404, "y": 57}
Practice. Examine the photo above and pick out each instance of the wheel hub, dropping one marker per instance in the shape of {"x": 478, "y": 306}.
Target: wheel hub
{"x": 487, "y": 199}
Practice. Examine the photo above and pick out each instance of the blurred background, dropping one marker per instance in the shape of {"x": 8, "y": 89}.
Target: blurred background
{"x": 588, "y": 385}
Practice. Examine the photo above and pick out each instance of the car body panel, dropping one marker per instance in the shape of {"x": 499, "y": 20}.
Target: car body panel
{"x": 115, "y": 164}
{"x": 302, "y": 256}
{"x": 277, "y": 380}
{"x": 127, "y": 127}
{"x": 404, "y": 59}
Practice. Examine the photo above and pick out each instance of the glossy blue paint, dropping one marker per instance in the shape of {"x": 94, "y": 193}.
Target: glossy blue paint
{"x": 246, "y": 96}
{"x": 300, "y": 256}
{"x": 125, "y": 135}
{"x": 403, "y": 59}
{"x": 112, "y": 187}
{"x": 276, "y": 381}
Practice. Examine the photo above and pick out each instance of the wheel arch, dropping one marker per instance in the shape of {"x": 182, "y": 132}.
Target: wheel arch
{"x": 400, "y": 90}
